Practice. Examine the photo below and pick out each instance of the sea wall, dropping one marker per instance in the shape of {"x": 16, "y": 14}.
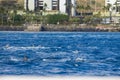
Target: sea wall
{"x": 80, "y": 27}
{"x": 12, "y": 28}
{"x": 62, "y": 27}
{"x": 33, "y": 27}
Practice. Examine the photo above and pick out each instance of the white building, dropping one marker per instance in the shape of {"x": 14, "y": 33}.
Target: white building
{"x": 51, "y": 5}
{"x": 114, "y": 9}
{"x": 115, "y": 5}
{"x": 29, "y": 5}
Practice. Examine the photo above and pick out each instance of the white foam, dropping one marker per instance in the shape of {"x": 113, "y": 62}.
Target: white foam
{"x": 80, "y": 59}
{"x": 14, "y": 48}
{"x": 14, "y": 59}
{"x": 57, "y": 78}
{"x": 76, "y": 51}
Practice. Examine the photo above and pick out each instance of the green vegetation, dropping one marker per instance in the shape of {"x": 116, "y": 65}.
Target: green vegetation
{"x": 54, "y": 19}
{"x": 9, "y": 14}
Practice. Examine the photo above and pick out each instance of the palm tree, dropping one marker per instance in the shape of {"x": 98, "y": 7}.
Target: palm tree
{"x": 2, "y": 12}
{"x": 93, "y": 2}
{"x": 88, "y": 8}
{"x": 5, "y": 14}
{"x": 14, "y": 14}
{"x": 44, "y": 10}
{"x": 80, "y": 9}
{"x": 69, "y": 7}
{"x": 107, "y": 8}
{"x": 44, "y": 7}
{"x": 117, "y": 6}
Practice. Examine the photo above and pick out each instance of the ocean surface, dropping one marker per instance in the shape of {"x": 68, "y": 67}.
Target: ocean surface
{"x": 60, "y": 53}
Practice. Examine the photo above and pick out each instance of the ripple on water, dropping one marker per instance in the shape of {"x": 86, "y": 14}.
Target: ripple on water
{"x": 60, "y": 53}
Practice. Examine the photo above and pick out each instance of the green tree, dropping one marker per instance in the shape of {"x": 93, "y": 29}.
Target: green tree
{"x": 44, "y": 7}
{"x": 80, "y": 8}
{"x": 117, "y": 6}
{"x": 2, "y": 12}
{"x": 44, "y": 11}
{"x": 69, "y": 7}
{"x": 104, "y": 10}
{"x": 107, "y": 8}
{"x": 18, "y": 19}
{"x": 88, "y": 8}
{"x": 93, "y": 2}
{"x": 53, "y": 19}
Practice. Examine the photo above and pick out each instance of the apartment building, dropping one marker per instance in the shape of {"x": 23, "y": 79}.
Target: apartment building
{"x": 114, "y": 10}
{"x": 115, "y": 5}
{"x": 63, "y": 6}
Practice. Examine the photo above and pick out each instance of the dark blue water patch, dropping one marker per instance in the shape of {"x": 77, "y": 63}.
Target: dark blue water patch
{"x": 60, "y": 53}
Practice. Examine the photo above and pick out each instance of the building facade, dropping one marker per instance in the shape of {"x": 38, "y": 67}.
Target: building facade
{"x": 115, "y": 5}
{"x": 114, "y": 10}
{"x": 63, "y": 6}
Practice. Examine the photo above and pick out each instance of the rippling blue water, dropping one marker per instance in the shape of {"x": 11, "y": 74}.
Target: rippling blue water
{"x": 60, "y": 53}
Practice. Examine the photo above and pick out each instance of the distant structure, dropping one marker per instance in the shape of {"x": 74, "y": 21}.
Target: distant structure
{"x": 89, "y": 7}
{"x": 63, "y": 6}
{"x": 115, "y": 5}
{"x": 114, "y": 10}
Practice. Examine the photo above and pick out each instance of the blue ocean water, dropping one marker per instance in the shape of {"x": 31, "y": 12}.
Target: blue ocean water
{"x": 60, "y": 53}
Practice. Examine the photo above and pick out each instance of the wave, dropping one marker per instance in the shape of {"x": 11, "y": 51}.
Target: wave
{"x": 14, "y": 59}
{"x": 15, "y": 48}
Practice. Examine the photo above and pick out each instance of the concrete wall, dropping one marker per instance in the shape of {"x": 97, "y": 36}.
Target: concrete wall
{"x": 25, "y": 4}
{"x": 73, "y": 8}
{"x": 49, "y": 4}
{"x": 62, "y": 6}
{"x": 31, "y": 5}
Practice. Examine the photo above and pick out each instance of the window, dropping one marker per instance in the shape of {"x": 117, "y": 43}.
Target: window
{"x": 55, "y": 4}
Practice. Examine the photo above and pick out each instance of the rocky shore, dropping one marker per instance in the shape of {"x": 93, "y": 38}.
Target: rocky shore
{"x": 60, "y": 27}
{"x": 80, "y": 27}
{"x": 12, "y": 28}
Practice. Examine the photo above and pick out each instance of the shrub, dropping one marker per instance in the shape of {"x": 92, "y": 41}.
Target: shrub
{"x": 53, "y": 19}
{"x": 74, "y": 19}
{"x": 18, "y": 20}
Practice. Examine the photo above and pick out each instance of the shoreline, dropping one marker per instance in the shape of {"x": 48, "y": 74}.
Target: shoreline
{"x": 62, "y": 28}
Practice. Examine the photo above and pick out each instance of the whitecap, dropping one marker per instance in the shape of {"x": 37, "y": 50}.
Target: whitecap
{"x": 64, "y": 59}
{"x": 44, "y": 60}
{"x": 76, "y": 65}
{"x": 56, "y": 60}
{"x": 15, "y": 48}
{"x": 76, "y": 51}
{"x": 79, "y": 59}
{"x": 14, "y": 59}
{"x": 92, "y": 47}
{"x": 7, "y": 46}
